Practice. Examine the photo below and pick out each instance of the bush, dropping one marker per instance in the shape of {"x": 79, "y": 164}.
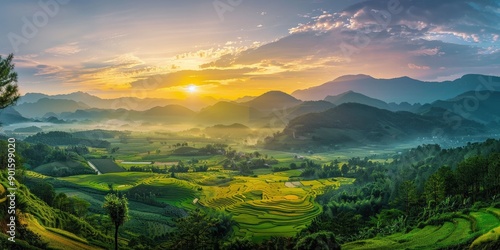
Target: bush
{"x": 320, "y": 240}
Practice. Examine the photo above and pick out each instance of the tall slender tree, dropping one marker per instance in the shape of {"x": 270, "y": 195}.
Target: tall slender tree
{"x": 117, "y": 208}
{"x": 9, "y": 92}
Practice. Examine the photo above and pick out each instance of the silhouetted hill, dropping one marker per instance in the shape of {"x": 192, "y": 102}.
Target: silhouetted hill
{"x": 169, "y": 110}
{"x": 9, "y": 116}
{"x": 354, "y": 123}
{"x": 308, "y": 107}
{"x": 45, "y": 105}
{"x": 480, "y": 106}
{"x": 167, "y": 114}
{"x": 402, "y": 89}
{"x": 351, "y": 96}
{"x": 129, "y": 103}
{"x": 273, "y": 100}
{"x": 228, "y": 112}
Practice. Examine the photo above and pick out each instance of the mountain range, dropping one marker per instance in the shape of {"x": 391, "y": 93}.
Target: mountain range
{"x": 348, "y": 117}
{"x": 130, "y": 103}
{"x": 402, "y": 89}
{"x": 358, "y": 124}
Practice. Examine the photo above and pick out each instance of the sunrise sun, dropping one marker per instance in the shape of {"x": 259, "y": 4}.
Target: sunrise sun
{"x": 191, "y": 88}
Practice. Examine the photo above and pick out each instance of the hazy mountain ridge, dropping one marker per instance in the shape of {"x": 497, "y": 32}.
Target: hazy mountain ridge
{"x": 353, "y": 123}
{"x": 255, "y": 111}
{"x": 130, "y": 103}
{"x": 351, "y": 96}
{"x": 10, "y": 116}
{"x": 228, "y": 113}
{"x": 402, "y": 89}
{"x": 480, "y": 106}
{"x": 44, "y": 105}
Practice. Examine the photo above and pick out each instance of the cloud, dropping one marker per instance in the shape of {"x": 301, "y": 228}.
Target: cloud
{"x": 64, "y": 50}
{"x": 414, "y": 66}
{"x": 420, "y": 39}
{"x": 187, "y": 77}
{"x": 48, "y": 70}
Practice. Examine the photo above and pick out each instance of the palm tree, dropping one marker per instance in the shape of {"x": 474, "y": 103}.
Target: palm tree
{"x": 117, "y": 208}
{"x": 8, "y": 79}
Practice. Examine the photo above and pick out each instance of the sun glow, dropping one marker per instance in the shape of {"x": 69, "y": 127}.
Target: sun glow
{"x": 192, "y": 88}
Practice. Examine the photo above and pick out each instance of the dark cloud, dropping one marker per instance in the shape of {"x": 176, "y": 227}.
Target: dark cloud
{"x": 430, "y": 36}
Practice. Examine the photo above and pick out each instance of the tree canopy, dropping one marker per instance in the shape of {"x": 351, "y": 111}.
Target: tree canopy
{"x": 9, "y": 92}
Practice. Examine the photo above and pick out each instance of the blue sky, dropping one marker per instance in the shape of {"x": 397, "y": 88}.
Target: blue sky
{"x": 232, "y": 48}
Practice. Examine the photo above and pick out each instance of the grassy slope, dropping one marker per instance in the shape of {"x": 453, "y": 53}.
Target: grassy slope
{"x": 71, "y": 166}
{"x": 492, "y": 235}
{"x": 458, "y": 232}
{"x": 57, "y": 238}
{"x": 39, "y": 217}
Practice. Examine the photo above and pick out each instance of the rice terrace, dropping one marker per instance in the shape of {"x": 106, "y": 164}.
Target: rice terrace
{"x": 250, "y": 125}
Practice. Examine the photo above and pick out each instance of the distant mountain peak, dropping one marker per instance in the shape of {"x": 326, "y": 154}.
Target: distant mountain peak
{"x": 276, "y": 93}
{"x": 401, "y": 89}
{"x": 273, "y": 100}
{"x": 352, "y": 77}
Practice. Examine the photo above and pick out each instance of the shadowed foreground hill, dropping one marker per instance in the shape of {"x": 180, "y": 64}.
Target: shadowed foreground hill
{"x": 356, "y": 124}
{"x": 480, "y": 106}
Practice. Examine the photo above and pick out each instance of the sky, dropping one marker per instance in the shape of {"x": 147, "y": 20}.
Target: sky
{"x": 233, "y": 48}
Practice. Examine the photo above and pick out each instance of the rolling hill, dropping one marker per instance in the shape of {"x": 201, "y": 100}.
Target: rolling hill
{"x": 272, "y": 100}
{"x": 402, "y": 89}
{"x": 359, "y": 124}
{"x": 228, "y": 113}
{"x": 480, "y": 106}
{"x": 129, "y": 103}
{"x": 308, "y": 107}
{"x": 9, "y": 116}
{"x": 45, "y": 105}
{"x": 351, "y": 96}
{"x": 166, "y": 114}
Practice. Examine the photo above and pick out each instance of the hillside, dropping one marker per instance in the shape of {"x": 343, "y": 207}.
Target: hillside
{"x": 55, "y": 229}
{"x": 480, "y": 106}
{"x": 228, "y": 113}
{"x": 308, "y": 107}
{"x": 272, "y": 100}
{"x": 44, "y": 105}
{"x": 9, "y": 116}
{"x": 166, "y": 114}
{"x": 402, "y": 89}
{"x": 356, "y": 124}
{"x": 351, "y": 96}
{"x": 129, "y": 103}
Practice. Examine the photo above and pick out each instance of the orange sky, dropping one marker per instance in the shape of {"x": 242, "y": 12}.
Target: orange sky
{"x": 164, "y": 48}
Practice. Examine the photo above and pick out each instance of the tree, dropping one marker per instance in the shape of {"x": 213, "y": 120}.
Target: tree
{"x": 8, "y": 78}
{"x": 435, "y": 189}
{"x": 200, "y": 230}
{"x": 117, "y": 208}
{"x": 320, "y": 240}
{"x": 406, "y": 196}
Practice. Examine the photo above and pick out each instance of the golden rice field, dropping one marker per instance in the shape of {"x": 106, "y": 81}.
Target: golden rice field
{"x": 263, "y": 206}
